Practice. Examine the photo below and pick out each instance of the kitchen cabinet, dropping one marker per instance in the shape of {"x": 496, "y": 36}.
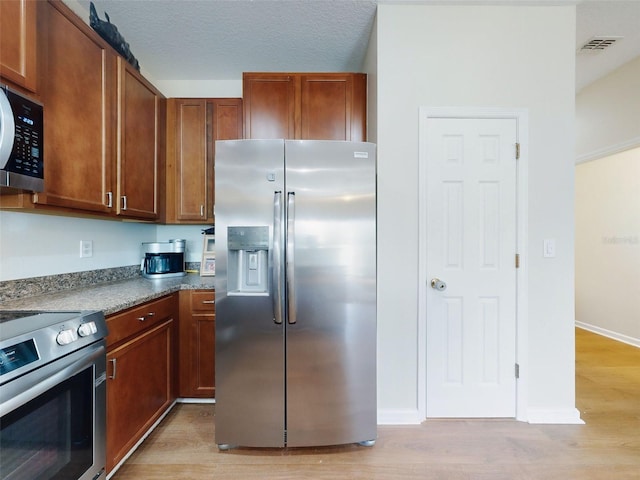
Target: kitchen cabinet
{"x": 141, "y": 352}
{"x": 18, "y": 51}
{"x": 309, "y": 106}
{"x": 140, "y": 141}
{"x": 78, "y": 84}
{"x": 197, "y": 344}
{"x": 104, "y": 137}
{"x": 193, "y": 126}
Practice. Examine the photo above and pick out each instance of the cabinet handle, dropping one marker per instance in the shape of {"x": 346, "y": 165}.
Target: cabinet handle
{"x": 208, "y": 302}
{"x": 113, "y": 363}
{"x": 109, "y": 199}
{"x": 202, "y": 210}
{"x": 144, "y": 317}
{"x": 124, "y": 202}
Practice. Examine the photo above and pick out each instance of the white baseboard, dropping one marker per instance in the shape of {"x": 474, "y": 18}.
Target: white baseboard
{"x": 195, "y": 400}
{"x": 561, "y": 416}
{"x": 609, "y": 334}
{"x": 406, "y": 416}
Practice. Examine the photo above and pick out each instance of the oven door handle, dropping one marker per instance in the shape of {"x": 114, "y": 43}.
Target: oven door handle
{"x": 23, "y": 389}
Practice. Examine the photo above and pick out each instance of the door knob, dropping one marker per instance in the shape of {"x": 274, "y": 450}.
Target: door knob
{"x": 438, "y": 284}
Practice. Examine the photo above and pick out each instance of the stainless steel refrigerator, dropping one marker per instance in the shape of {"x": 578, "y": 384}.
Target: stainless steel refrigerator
{"x": 295, "y": 293}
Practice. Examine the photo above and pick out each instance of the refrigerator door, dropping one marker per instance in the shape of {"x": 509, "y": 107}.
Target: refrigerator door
{"x": 331, "y": 287}
{"x": 250, "y": 402}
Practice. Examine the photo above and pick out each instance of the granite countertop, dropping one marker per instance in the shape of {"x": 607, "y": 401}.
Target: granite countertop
{"x": 110, "y": 297}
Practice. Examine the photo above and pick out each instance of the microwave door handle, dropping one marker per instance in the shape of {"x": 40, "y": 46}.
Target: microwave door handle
{"x": 289, "y": 255}
{"x": 276, "y": 280}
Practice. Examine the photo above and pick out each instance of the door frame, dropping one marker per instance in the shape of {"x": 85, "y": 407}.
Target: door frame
{"x": 521, "y": 116}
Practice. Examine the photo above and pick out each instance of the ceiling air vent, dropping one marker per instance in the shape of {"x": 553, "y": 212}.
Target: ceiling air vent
{"x": 598, "y": 44}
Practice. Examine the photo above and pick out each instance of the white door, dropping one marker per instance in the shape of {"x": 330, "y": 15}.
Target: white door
{"x": 471, "y": 248}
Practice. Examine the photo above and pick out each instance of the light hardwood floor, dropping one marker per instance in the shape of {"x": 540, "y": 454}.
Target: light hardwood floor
{"x": 607, "y": 447}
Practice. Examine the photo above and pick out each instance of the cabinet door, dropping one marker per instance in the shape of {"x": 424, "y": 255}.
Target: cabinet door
{"x": 18, "y": 42}
{"x": 138, "y": 389}
{"x": 197, "y": 344}
{"x": 193, "y": 127}
{"x": 138, "y": 142}
{"x": 270, "y": 105}
{"x": 227, "y": 125}
{"x": 332, "y": 106}
{"x": 188, "y": 159}
{"x": 78, "y": 114}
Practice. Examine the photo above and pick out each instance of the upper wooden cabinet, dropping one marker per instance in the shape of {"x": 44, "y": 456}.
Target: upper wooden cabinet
{"x": 193, "y": 126}
{"x": 104, "y": 137}
{"x": 79, "y": 81}
{"x": 309, "y": 106}
{"x": 140, "y": 124}
{"x": 18, "y": 48}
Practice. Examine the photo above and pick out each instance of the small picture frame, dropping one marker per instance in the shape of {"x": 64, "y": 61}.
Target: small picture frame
{"x": 208, "y": 264}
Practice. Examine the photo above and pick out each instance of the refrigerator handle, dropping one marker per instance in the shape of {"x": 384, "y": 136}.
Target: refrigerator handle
{"x": 276, "y": 280}
{"x": 291, "y": 291}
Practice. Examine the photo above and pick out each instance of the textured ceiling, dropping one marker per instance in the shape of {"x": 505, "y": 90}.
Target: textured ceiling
{"x": 214, "y": 39}
{"x": 219, "y": 39}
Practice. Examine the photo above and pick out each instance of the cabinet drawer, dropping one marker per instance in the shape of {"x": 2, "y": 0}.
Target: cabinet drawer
{"x": 203, "y": 301}
{"x": 136, "y": 319}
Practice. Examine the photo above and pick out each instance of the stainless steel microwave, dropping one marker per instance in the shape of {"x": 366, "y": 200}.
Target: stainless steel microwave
{"x": 21, "y": 141}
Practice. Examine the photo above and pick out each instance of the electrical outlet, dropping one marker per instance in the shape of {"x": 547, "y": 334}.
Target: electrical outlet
{"x": 549, "y": 248}
{"x": 86, "y": 248}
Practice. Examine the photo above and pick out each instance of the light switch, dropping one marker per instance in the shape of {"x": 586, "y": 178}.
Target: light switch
{"x": 549, "y": 247}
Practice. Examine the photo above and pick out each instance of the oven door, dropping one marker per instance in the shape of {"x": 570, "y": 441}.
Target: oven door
{"x": 52, "y": 423}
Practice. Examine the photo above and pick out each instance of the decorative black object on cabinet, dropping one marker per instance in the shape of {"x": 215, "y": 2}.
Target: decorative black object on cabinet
{"x": 110, "y": 33}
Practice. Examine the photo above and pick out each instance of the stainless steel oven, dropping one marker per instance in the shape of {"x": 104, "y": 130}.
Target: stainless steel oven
{"x": 52, "y": 395}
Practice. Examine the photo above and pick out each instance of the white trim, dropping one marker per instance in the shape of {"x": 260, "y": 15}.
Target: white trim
{"x": 406, "y": 416}
{"x": 620, "y": 337}
{"x": 568, "y": 416}
{"x": 522, "y": 125}
{"x": 195, "y": 400}
{"x": 609, "y": 150}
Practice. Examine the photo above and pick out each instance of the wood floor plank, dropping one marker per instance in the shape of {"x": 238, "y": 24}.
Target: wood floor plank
{"x": 607, "y": 447}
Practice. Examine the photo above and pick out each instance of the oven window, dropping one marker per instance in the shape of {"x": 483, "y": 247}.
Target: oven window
{"x": 51, "y": 437}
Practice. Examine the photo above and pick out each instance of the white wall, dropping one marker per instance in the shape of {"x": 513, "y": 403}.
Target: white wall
{"x": 480, "y": 56}
{"x": 200, "y": 88}
{"x": 608, "y": 114}
{"x": 33, "y": 245}
{"x": 608, "y": 246}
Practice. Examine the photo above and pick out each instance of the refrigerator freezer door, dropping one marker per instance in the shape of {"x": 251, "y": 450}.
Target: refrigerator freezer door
{"x": 331, "y": 347}
{"x": 250, "y": 403}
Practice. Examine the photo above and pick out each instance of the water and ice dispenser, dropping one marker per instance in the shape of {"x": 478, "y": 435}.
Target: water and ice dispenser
{"x": 248, "y": 269}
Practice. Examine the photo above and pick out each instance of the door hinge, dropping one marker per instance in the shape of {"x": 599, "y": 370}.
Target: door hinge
{"x": 517, "y": 371}
{"x": 517, "y": 260}
{"x": 517, "y": 151}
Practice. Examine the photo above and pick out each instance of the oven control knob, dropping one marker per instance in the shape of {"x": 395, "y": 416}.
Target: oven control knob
{"x": 86, "y": 329}
{"x": 65, "y": 337}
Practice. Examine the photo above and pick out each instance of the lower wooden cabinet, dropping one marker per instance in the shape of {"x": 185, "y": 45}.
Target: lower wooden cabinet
{"x": 197, "y": 344}
{"x": 140, "y": 364}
